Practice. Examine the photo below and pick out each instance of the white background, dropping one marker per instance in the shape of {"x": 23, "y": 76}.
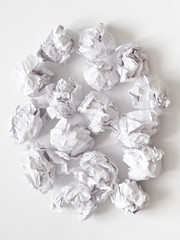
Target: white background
{"x": 154, "y": 25}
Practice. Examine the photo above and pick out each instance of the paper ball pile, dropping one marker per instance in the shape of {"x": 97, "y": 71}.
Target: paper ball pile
{"x": 95, "y": 175}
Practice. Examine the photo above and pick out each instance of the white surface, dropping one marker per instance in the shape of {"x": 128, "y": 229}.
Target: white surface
{"x": 154, "y": 25}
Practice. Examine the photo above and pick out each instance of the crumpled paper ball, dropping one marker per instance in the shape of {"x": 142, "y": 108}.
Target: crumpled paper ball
{"x": 70, "y": 139}
{"x": 38, "y": 167}
{"x": 134, "y": 129}
{"x": 26, "y": 123}
{"x": 96, "y": 43}
{"x": 75, "y": 195}
{"x": 63, "y": 98}
{"x": 98, "y": 172}
{"x": 31, "y": 76}
{"x": 132, "y": 62}
{"x": 130, "y": 197}
{"x": 100, "y": 111}
{"x": 144, "y": 163}
{"x": 101, "y": 75}
{"x": 57, "y": 46}
{"x": 151, "y": 93}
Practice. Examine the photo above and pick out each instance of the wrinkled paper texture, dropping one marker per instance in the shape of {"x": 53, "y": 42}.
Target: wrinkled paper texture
{"x": 26, "y": 123}
{"x": 130, "y": 197}
{"x": 60, "y": 160}
{"x": 63, "y": 98}
{"x": 150, "y": 93}
{"x": 96, "y": 42}
{"x": 100, "y": 111}
{"x": 135, "y": 128}
{"x": 57, "y": 46}
{"x": 70, "y": 139}
{"x": 132, "y": 62}
{"x": 144, "y": 163}
{"x": 98, "y": 172}
{"x": 101, "y": 75}
{"x": 75, "y": 195}
{"x": 39, "y": 167}
{"x": 31, "y": 76}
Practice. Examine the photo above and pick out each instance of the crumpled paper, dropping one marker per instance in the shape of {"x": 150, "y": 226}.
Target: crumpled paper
{"x": 135, "y": 128}
{"x": 60, "y": 160}
{"x": 41, "y": 101}
{"x": 39, "y": 167}
{"x": 63, "y": 98}
{"x": 98, "y": 172}
{"x": 132, "y": 62}
{"x": 150, "y": 93}
{"x": 101, "y": 75}
{"x": 130, "y": 197}
{"x": 70, "y": 139}
{"x": 31, "y": 76}
{"x": 57, "y": 46}
{"x": 75, "y": 195}
{"x": 144, "y": 163}
{"x": 26, "y": 123}
{"x": 96, "y": 42}
{"x": 94, "y": 173}
{"x": 100, "y": 111}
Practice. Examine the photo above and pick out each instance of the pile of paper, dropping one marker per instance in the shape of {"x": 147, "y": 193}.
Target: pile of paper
{"x": 96, "y": 176}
